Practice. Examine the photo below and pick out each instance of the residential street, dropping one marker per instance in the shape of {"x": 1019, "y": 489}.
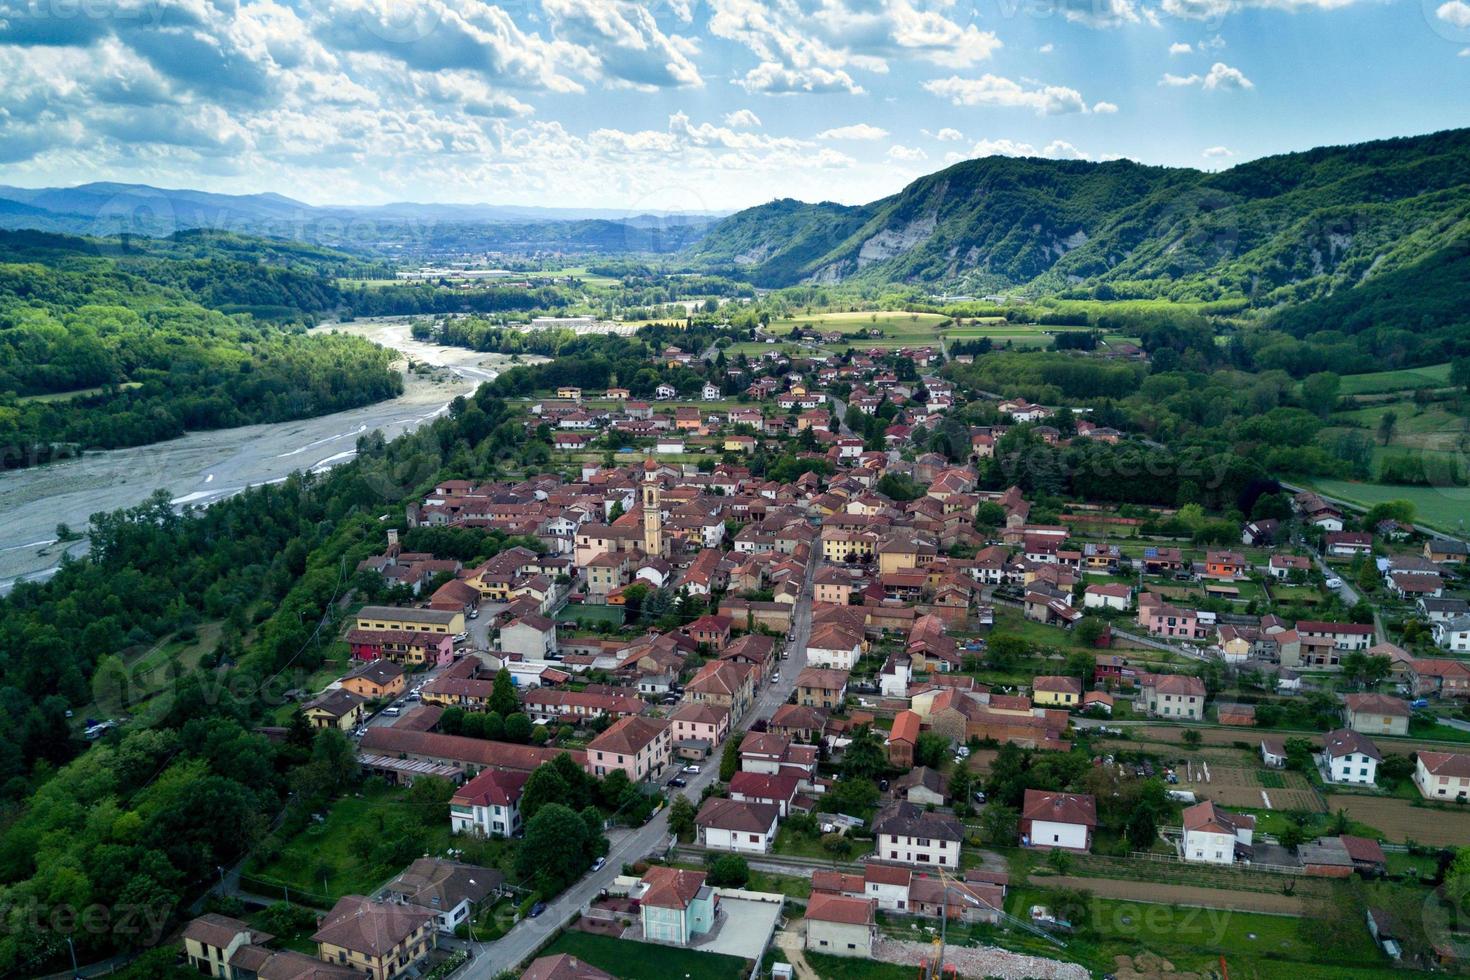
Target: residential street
{"x": 527, "y": 936}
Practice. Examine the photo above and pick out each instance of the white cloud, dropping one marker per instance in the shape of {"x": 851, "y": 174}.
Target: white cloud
{"x": 1100, "y": 13}
{"x": 857, "y": 131}
{"x": 906, "y": 154}
{"x": 947, "y": 135}
{"x": 1456, "y": 13}
{"x": 1055, "y": 150}
{"x": 772, "y": 79}
{"x": 1216, "y": 9}
{"x": 993, "y": 90}
{"x": 1465, "y": 52}
{"x": 1222, "y": 76}
{"x": 742, "y": 119}
{"x": 1047, "y": 48}
{"x": 1218, "y": 153}
{"x": 1104, "y": 108}
{"x": 1180, "y": 47}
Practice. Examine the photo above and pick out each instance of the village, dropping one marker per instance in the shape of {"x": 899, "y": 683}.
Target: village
{"x": 824, "y": 700}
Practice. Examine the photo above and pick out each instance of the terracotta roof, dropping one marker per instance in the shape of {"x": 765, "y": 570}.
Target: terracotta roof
{"x": 904, "y": 819}
{"x": 493, "y": 787}
{"x": 1058, "y": 684}
{"x": 1076, "y": 808}
{"x": 477, "y": 751}
{"x": 1446, "y": 763}
{"x": 1345, "y": 741}
{"x": 905, "y": 727}
{"x": 629, "y": 735}
{"x": 740, "y": 815}
{"x": 826, "y": 907}
{"x": 887, "y": 874}
{"x": 372, "y": 928}
{"x": 1377, "y": 704}
{"x": 219, "y": 931}
{"x": 1363, "y": 850}
{"x": 563, "y": 966}
{"x": 671, "y": 888}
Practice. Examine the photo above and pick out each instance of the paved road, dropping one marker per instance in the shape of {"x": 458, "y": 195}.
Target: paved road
{"x": 841, "y": 408}
{"x": 1350, "y": 595}
{"x": 527, "y": 936}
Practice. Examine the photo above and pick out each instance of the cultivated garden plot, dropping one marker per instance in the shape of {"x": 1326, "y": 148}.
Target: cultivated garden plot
{"x": 1242, "y": 786}
{"x": 1402, "y": 820}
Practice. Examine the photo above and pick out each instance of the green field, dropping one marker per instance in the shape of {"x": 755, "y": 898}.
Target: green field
{"x": 647, "y": 961}
{"x": 1442, "y": 508}
{"x": 331, "y": 859}
{"x": 66, "y": 396}
{"x": 1433, "y": 376}
{"x": 896, "y": 324}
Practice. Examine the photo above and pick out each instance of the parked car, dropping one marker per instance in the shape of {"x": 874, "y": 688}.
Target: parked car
{"x": 1334, "y": 583}
{"x": 597, "y": 865}
{"x": 678, "y": 782}
{"x": 691, "y": 769}
{"x": 537, "y": 909}
{"x": 393, "y": 711}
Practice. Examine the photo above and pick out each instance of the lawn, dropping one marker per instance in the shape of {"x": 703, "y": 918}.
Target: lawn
{"x": 793, "y": 887}
{"x": 1433, "y": 376}
{"x": 895, "y": 324}
{"x": 627, "y": 960}
{"x": 585, "y": 615}
{"x": 66, "y": 396}
{"x": 1194, "y": 939}
{"x": 1439, "y": 507}
{"x": 330, "y": 859}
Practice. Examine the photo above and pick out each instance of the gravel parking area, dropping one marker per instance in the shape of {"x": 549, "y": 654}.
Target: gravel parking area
{"x": 980, "y": 961}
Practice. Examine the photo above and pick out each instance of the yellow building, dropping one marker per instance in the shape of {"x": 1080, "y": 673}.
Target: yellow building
{"x": 1056, "y": 692}
{"x": 839, "y": 545}
{"x": 410, "y": 620}
{"x": 380, "y": 939}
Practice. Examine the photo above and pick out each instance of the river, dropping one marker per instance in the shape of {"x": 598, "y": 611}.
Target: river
{"x": 202, "y": 467}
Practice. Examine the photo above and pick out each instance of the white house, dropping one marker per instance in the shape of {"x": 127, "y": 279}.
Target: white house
{"x": 908, "y": 834}
{"x": 665, "y": 391}
{"x": 449, "y": 889}
{"x": 534, "y": 637}
{"x": 1453, "y": 635}
{"x": 887, "y": 885}
{"x": 668, "y": 446}
{"x": 1109, "y": 596}
{"x": 1058, "y": 820}
{"x": 834, "y": 645}
{"x": 1442, "y": 775}
{"x": 489, "y": 805}
{"x": 1349, "y": 757}
{"x": 710, "y": 393}
{"x": 1214, "y": 836}
{"x": 737, "y": 825}
{"x": 840, "y": 925}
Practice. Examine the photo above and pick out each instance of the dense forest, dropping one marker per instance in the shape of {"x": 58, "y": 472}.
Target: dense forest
{"x": 145, "y": 816}
{"x": 112, "y": 344}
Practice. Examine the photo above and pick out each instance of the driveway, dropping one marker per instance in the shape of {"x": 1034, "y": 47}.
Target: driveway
{"x": 528, "y": 935}
{"x": 747, "y": 926}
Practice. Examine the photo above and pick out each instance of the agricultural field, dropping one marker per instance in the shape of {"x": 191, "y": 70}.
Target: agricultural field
{"x": 1401, "y": 820}
{"x": 1242, "y": 786}
{"x": 1405, "y": 379}
{"x": 898, "y": 326}
{"x": 1443, "y": 508}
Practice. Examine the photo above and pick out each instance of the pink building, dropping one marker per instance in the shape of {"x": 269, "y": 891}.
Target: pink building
{"x": 641, "y": 747}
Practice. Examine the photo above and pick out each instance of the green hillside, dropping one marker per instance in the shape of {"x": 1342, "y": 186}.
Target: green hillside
{"x": 1373, "y": 236}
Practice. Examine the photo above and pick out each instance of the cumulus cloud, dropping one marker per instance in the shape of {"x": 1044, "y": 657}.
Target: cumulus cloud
{"x": 1180, "y": 47}
{"x": 1100, "y": 14}
{"x": 947, "y": 135}
{"x": 626, "y": 42}
{"x": 1055, "y": 150}
{"x": 1456, "y": 13}
{"x": 742, "y": 119}
{"x": 1104, "y": 108}
{"x": 906, "y": 154}
{"x": 857, "y": 131}
{"x": 1216, "y": 9}
{"x": 1218, "y": 153}
{"x": 1222, "y": 76}
{"x": 773, "y": 79}
{"x": 1047, "y": 48}
{"x": 994, "y": 90}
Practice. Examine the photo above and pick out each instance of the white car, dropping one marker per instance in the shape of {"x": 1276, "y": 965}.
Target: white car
{"x": 691, "y": 769}
{"x": 1334, "y": 583}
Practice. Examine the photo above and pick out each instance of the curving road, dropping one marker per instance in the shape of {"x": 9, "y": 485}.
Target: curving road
{"x": 528, "y": 935}
{"x": 202, "y": 467}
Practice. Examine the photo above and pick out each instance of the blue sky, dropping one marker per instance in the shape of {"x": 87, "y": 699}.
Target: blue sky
{"x": 694, "y": 104}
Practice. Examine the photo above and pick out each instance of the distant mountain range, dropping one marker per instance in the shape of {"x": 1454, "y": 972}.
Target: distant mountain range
{"x": 1303, "y": 224}
{"x": 110, "y": 208}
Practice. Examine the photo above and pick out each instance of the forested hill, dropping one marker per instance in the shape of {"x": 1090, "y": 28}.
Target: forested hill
{"x": 1285, "y": 229}
{"x": 105, "y": 343}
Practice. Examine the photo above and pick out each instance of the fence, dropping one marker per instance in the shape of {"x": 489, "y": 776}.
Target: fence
{"x": 269, "y": 888}
{"x": 1157, "y": 858}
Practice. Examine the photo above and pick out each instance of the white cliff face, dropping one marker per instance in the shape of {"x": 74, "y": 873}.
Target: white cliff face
{"x": 896, "y": 241}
